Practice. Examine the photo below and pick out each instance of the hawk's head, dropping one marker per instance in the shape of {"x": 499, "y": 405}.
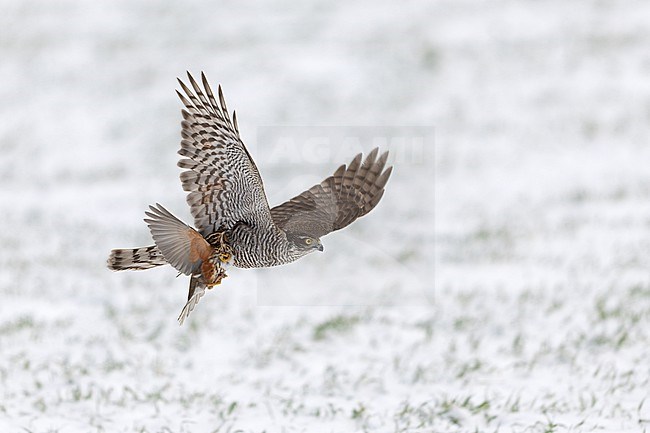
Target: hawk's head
{"x": 301, "y": 244}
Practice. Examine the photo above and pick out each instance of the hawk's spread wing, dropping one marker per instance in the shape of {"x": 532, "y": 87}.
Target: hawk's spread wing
{"x": 348, "y": 194}
{"x": 222, "y": 180}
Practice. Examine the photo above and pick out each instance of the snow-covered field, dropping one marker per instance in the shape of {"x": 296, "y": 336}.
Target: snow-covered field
{"x": 517, "y": 301}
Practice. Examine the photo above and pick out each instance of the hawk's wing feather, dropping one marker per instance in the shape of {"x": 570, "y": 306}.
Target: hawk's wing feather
{"x": 223, "y": 183}
{"x": 350, "y": 193}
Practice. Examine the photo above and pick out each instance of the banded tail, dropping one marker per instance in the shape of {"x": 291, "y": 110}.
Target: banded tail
{"x": 135, "y": 259}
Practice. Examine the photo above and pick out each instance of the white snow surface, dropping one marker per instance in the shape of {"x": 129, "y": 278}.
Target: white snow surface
{"x": 502, "y": 284}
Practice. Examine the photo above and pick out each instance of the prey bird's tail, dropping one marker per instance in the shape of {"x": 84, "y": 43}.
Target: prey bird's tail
{"x": 135, "y": 259}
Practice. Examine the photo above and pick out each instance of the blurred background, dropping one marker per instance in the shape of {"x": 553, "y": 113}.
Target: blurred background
{"x": 501, "y": 284}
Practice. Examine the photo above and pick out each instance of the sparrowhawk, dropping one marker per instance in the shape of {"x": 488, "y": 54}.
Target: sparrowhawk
{"x": 232, "y": 218}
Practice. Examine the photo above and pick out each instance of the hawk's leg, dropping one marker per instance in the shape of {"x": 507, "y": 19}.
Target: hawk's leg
{"x": 214, "y": 269}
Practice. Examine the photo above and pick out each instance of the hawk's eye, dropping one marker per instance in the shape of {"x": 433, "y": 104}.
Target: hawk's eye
{"x": 308, "y": 241}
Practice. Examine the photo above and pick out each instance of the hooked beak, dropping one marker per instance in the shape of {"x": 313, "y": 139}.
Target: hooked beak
{"x": 319, "y": 247}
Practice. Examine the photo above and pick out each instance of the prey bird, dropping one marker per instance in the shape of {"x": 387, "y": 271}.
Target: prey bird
{"x": 234, "y": 224}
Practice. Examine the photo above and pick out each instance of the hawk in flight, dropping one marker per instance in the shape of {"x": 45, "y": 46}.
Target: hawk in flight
{"x": 234, "y": 224}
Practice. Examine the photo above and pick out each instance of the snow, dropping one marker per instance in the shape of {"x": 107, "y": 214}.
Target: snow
{"x": 501, "y": 285}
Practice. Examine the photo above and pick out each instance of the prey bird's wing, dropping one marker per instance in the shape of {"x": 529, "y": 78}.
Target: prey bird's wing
{"x": 351, "y": 192}
{"x": 223, "y": 184}
{"x": 196, "y": 292}
{"x": 181, "y": 245}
